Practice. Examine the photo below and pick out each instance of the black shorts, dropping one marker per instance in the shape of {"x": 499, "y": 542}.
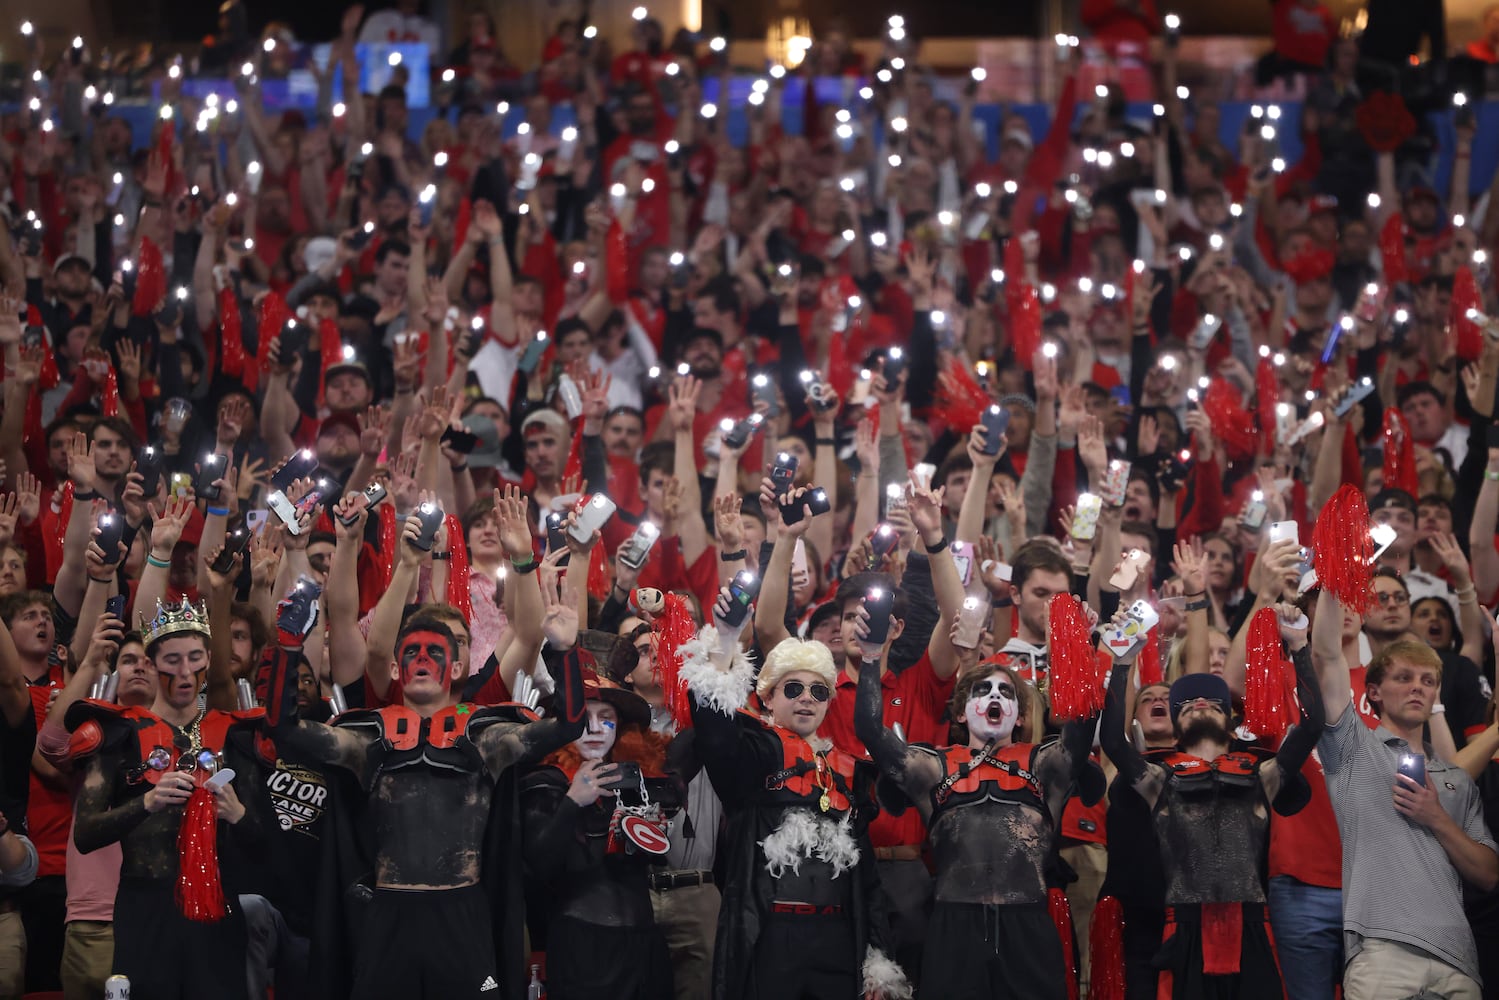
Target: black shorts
{"x": 586, "y": 961}
{"x": 434, "y": 944}
{"x": 979, "y": 952}
{"x": 1186, "y": 950}
{"x": 169, "y": 957}
{"x": 807, "y": 957}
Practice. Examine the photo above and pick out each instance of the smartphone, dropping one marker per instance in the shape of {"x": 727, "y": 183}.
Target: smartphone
{"x": 1207, "y": 329}
{"x": 1284, "y": 531}
{"x": 962, "y": 557}
{"x": 1254, "y": 512}
{"x": 1356, "y": 394}
{"x": 799, "y": 558}
{"x": 572, "y": 399}
{"x": 374, "y": 493}
{"x": 923, "y": 473}
{"x": 111, "y": 533}
{"x": 626, "y": 777}
{"x": 1130, "y": 568}
{"x": 783, "y": 472}
{"x": 1413, "y": 766}
{"x": 1085, "y": 516}
{"x": 594, "y": 515}
{"x": 148, "y": 462}
{"x": 637, "y": 548}
{"x": 1115, "y": 481}
{"x": 170, "y": 314}
{"x": 235, "y": 543}
{"x": 462, "y": 441}
{"x": 181, "y": 484}
{"x": 738, "y": 435}
{"x": 432, "y": 517}
{"x": 531, "y": 357}
{"x": 763, "y": 389}
{"x": 556, "y": 540}
{"x": 302, "y": 464}
{"x": 115, "y": 607}
{"x": 743, "y": 590}
{"x": 971, "y": 619}
{"x": 816, "y": 501}
{"x": 894, "y": 366}
{"x": 895, "y": 498}
{"x": 879, "y": 602}
{"x": 1172, "y": 470}
{"x": 210, "y": 471}
{"x": 362, "y": 237}
{"x": 996, "y": 421}
{"x": 1140, "y": 619}
{"x": 294, "y": 339}
{"x": 883, "y": 540}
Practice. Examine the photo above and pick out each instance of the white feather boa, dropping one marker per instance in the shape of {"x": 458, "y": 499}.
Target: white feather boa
{"x": 883, "y": 978}
{"x": 801, "y": 835}
{"x": 724, "y": 691}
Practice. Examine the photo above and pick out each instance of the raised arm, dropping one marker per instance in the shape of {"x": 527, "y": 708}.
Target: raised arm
{"x": 770, "y": 611}
{"x": 925, "y": 508}
{"x": 970, "y": 526}
{"x": 521, "y": 588}
{"x": 385, "y": 620}
{"x": 691, "y": 529}
{"x": 915, "y": 771}
{"x": 1301, "y": 740}
{"x": 1328, "y": 659}
{"x": 347, "y": 652}
{"x": 1147, "y": 781}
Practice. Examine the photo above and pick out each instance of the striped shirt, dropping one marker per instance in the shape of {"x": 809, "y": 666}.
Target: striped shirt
{"x": 1398, "y": 884}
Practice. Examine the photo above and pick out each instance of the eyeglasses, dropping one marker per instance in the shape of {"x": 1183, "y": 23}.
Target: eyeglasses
{"x": 794, "y": 689}
{"x": 1394, "y": 598}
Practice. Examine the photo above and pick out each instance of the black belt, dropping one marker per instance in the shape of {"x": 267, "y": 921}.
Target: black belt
{"x": 667, "y": 881}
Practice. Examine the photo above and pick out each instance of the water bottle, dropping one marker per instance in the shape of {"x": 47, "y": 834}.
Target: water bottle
{"x": 535, "y": 991}
{"x": 117, "y": 988}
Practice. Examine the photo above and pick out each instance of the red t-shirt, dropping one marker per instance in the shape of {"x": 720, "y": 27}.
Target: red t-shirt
{"x": 49, "y": 808}
{"x": 915, "y": 698}
{"x": 1302, "y": 34}
{"x": 1307, "y": 846}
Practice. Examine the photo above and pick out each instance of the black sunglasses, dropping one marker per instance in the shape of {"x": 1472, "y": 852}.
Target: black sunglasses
{"x": 794, "y": 689}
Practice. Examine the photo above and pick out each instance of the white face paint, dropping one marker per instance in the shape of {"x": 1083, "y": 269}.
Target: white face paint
{"x": 992, "y": 709}
{"x": 599, "y": 735}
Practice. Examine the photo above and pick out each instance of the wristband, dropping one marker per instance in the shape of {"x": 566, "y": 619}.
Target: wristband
{"x": 830, "y": 442}
{"x": 1488, "y": 474}
{"x": 158, "y": 563}
{"x": 94, "y": 494}
{"x": 1201, "y": 605}
{"x": 1438, "y": 708}
{"x": 442, "y": 556}
{"x": 459, "y": 468}
{"x": 932, "y": 550}
{"x": 525, "y": 568}
{"x": 107, "y": 580}
{"x": 218, "y": 511}
{"x": 732, "y": 556}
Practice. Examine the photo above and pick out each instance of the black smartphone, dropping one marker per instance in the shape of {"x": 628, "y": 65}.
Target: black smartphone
{"x": 894, "y": 366}
{"x": 783, "y": 472}
{"x": 883, "y": 540}
{"x": 210, "y": 470}
{"x": 361, "y": 238}
{"x": 431, "y": 516}
{"x": 170, "y": 313}
{"x": 115, "y": 607}
{"x": 1462, "y": 116}
{"x": 125, "y": 276}
{"x": 743, "y": 590}
{"x": 373, "y": 494}
{"x": 302, "y": 464}
{"x": 34, "y": 335}
{"x": 295, "y": 337}
{"x": 626, "y": 777}
{"x": 1413, "y": 766}
{"x": 473, "y": 341}
{"x": 235, "y": 542}
{"x": 1172, "y": 471}
{"x": 556, "y": 537}
{"x": 111, "y": 533}
{"x": 149, "y": 462}
{"x": 817, "y": 501}
{"x": 463, "y": 442}
{"x": 996, "y": 421}
{"x": 737, "y": 436}
{"x": 879, "y": 602}
{"x": 763, "y": 389}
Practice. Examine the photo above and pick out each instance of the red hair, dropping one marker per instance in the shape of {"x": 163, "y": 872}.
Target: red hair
{"x": 646, "y": 748}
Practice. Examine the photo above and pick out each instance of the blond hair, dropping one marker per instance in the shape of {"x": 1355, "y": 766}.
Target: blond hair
{"x": 792, "y": 656}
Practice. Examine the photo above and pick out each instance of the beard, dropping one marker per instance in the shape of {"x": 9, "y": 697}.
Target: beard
{"x": 706, "y": 371}
{"x": 1202, "y": 728}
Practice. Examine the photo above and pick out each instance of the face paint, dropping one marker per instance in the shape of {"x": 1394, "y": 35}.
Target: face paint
{"x": 992, "y": 708}
{"x": 424, "y": 653}
{"x": 599, "y": 733}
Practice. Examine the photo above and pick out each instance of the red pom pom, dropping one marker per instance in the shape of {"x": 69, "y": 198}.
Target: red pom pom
{"x": 1309, "y": 265}
{"x": 1269, "y": 681}
{"x": 1149, "y": 663}
{"x": 1399, "y": 454}
{"x": 1224, "y": 405}
{"x": 232, "y": 334}
{"x": 673, "y": 628}
{"x": 1392, "y": 249}
{"x": 385, "y": 555}
{"x": 1025, "y": 324}
{"x": 331, "y": 350}
{"x": 1343, "y": 549}
{"x": 1076, "y": 688}
{"x": 1061, "y": 917}
{"x": 960, "y": 399}
{"x": 1465, "y": 296}
{"x": 459, "y": 595}
{"x": 1384, "y": 121}
{"x": 1266, "y": 395}
{"x": 1106, "y": 951}
{"x": 109, "y": 394}
{"x": 274, "y": 312}
{"x": 150, "y": 279}
{"x": 200, "y": 893}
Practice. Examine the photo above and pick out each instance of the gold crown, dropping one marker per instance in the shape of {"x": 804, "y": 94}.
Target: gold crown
{"x": 173, "y": 620}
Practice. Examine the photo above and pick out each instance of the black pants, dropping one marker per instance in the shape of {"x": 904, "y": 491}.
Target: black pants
{"x": 806, "y": 958}
{"x": 1182, "y": 956}
{"x": 44, "y": 907}
{"x": 585, "y": 961}
{"x": 907, "y": 886}
{"x": 980, "y": 952}
{"x": 169, "y": 957}
{"x": 434, "y": 945}
{"x": 1142, "y": 939}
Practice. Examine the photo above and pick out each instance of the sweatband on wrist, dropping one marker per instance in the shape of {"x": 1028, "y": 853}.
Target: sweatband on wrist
{"x": 732, "y": 556}
{"x": 158, "y": 563}
{"x": 217, "y": 511}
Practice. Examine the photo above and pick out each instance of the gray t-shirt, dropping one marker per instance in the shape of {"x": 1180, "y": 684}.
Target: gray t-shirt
{"x": 1398, "y": 884}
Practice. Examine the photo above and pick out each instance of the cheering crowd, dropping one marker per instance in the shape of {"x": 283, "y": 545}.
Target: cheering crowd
{"x": 561, "y": 547}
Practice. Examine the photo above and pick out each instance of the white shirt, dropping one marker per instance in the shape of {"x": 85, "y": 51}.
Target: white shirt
{"x": 393, "y": 26}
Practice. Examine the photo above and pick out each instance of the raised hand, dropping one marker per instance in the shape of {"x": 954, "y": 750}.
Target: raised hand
{"x": 10, "y": 320}
{"x": 925, "y": 508}
{"x": 81, "y": 464}
{"x": 727, "y": 522}
{"x": 233, "y": 416}
{"x": 1090, "y": 448}
{"x": 128, "y": 362}
{"x": 1451, "y": 554}
{"x": 265, "y": 556}
{"x": 10, "y": 506}
{"x": 682, "y": 397}
{"x": 1189, "y": 563}
{"x": 355, "y": 507}
{"x": 560, "y": 624}
{"x": 374, "y": 430}
{"x": 514, "y": 526}
{"x": 168, "y": 523}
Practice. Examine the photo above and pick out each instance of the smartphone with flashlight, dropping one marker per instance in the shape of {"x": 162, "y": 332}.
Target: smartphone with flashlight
{"x": 235, "y": 543}
{"x": 971, "y": 619}
{"x": 1255, "y": 510}
{"x": 531, "y": 357}
{"x": 743, "y": 590}
{"x": 1357, "y": 393}
{"x": 883, "y": 540}
{"x": 210, "y": 471}
{"x": 111, "y": 533}
{"x": 294, "y": 339}
{"x": 637, "y": 548}
{"x": 738, "y": 435}
{"x": 149, "y": 462}
{"x": 783, "y": 472}
{"x": 1413, "y": 766}
{"x": 1284, "y": 531}
{"x": 431, "y": 517}
{"x": 556, "y": 538}
{"x": 894, "y": 366}
{"x": 373, "y": 494}
{"x": 1140, "y": 618}
{"x": 996, "y": 420}
{"x": 594, "y": 515}
{"x": 763, "y": 390}
{"x": 879, "y": 602}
